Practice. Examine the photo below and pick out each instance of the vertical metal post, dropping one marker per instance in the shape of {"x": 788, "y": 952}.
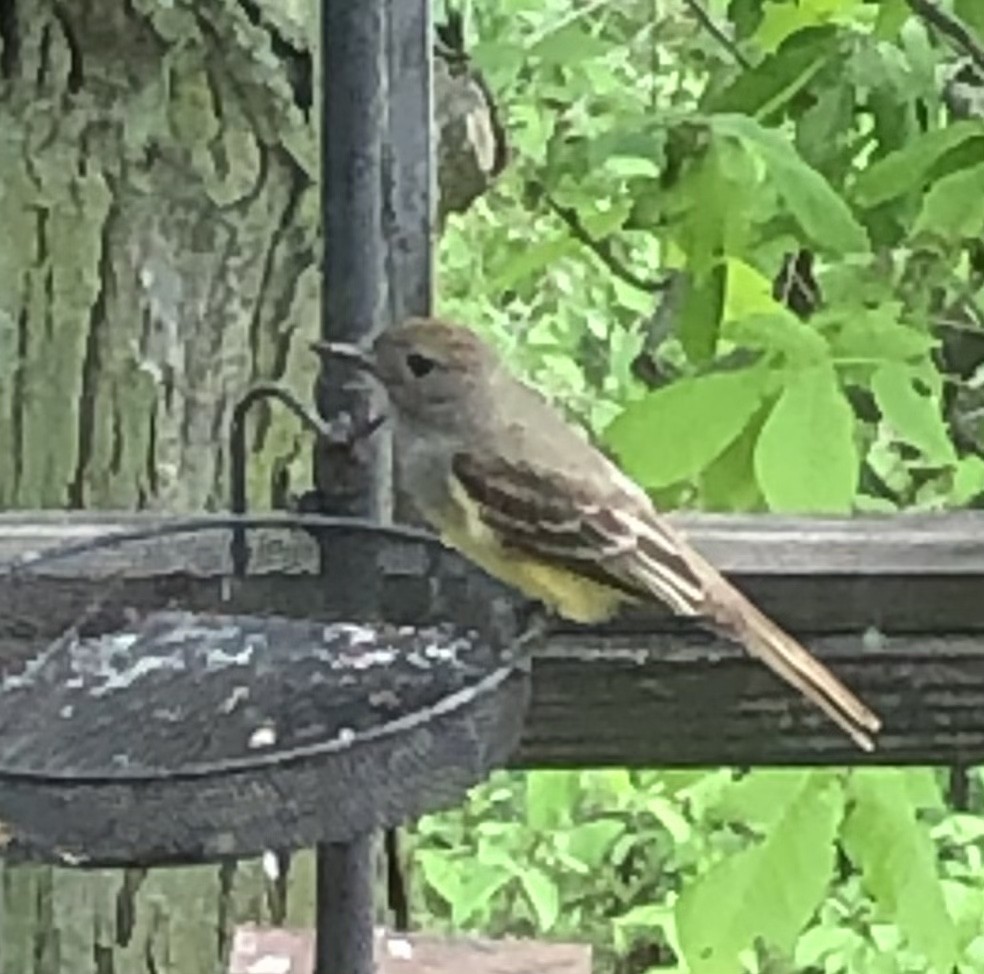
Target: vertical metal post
{"x": 412, "y": 173}
{"x": 355, "y": 293}
{"x": 409, "y": 226}
{"x": 377, "y": 203}
{"x": 345, "y": 905}
{"x": 354, "y": 306}
{"x": 412, "y": 192}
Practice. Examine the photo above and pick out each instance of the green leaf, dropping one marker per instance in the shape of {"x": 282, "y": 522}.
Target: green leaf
{"x": 499, "y": 61}
{"x": 543, "y": 895}
{"x": 702, "y": 238}
{"x": 768, "y": 891}
{"x": 525, "y": 262}
{"x": 745, "y": 16}
{"x": 674, "y": 781}
{"x": 971, "y": 12}
{"x": 569, "y": 45}
{"x": 892, "y": 14}
{"x": 639, "y": 144}
{"x": 768, "y": 86}
{"x": 760, "y": 797}
{"x": 549, "y": 798}
{"x": 667, "y": 813}
{"x": 728, "y": 482}
{"x": 815, "y": 204}
{"x": 923, "y": 787}
{"x": 953, "y": 207}
{"x": 629, "y": 167}
{"x": 806, "y": 459}
{"x": 749, "y": 292}
{"x": 820, "y": 942}
{"x": 672, "y": 433}
{"x": 907, "y": 169}
{"x": 479, "y": 884}
{"x": 897, "y": 862}
{"x": 700, "y": 316}
{"x": 441, "y": 873}
{"x": 960, "y": 829}
{"x": 590, "y": 842}
{"x": 914, "y": 418}
{"x": 466, "y": 886}
{"x": 646, "y": 918}
{"x": 495, "y": 845}
{"x": 612, "y": 787}
{"x": 968, "y": 481}
{"x": 873, "y": 334}
{"x": 780, "y": 20}
{"x": 966, "y": 906}
{"x": 780, "y": 332}
{"x": 702, "y": 790}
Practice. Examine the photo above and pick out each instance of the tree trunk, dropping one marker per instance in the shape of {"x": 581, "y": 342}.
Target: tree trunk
{"x": 158, "y": 196}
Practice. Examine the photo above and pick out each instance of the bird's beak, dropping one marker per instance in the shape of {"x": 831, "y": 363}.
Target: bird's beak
{"x": 347, "y": 352}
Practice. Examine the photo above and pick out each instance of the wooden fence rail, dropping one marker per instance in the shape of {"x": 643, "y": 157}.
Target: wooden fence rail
{"x": 895, "y": 605}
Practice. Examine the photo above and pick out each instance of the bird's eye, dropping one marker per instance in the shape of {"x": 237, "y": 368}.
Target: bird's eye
{"x": 420, "y": 365}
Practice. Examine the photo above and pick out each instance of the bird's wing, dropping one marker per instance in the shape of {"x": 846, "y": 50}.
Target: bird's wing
{"x": 591, "y": 527}
{"x": 602, "y": 530}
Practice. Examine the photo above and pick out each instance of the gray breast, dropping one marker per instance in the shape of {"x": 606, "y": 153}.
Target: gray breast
{"x": 423, "y": 466}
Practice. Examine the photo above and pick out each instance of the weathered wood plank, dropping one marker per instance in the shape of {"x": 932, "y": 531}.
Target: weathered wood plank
{"x": 906, "y": 574}
{"x": 904, "y": 544}
{"x": 687, "y": 700}
{"x": 892, "y": 604}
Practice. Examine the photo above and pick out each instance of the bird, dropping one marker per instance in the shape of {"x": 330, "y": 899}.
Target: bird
{"x": 503, "y": 477}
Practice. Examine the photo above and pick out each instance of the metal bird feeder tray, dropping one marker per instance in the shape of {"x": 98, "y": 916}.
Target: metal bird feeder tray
{"x": 212, "y": 688}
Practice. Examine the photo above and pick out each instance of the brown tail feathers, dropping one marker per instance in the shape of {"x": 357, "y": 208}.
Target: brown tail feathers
{"x": 742, "y": 621}
{"x": 667, "y": 567}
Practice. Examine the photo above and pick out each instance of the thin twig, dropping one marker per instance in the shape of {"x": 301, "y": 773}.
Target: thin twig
{"x": 718, "y": 33}
{"x": 952, "y": 28}
{"x": 602, "y": 248}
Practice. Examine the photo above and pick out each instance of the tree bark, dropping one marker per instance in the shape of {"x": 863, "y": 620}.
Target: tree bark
{"x": 159, "y": 200}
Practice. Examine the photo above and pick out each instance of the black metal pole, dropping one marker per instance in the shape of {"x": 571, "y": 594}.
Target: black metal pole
{"x": 354, "y": 306}
{"x": 377, "y": 203}
{"x": 354, "y": 297}
{"x": 412, "y": 193}
{"x": 409, "y": 225}
{"x": 346, "y": 906}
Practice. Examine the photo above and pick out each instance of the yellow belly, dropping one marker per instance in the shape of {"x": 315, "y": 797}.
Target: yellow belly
{"x": 571, "y": 596}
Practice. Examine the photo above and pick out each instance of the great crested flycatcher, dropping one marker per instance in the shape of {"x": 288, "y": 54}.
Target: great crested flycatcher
{"x": 504, "y": 479}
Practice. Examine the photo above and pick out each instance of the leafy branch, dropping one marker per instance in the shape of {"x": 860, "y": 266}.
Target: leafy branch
{"x": 707, "y": 22}
{"x": 848, "y": 378}
{"x": 600, "y": 247}
{"x": 952, "y": 28}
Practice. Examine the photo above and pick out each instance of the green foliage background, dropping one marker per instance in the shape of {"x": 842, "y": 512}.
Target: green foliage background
{"x": 634, "y": 262}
